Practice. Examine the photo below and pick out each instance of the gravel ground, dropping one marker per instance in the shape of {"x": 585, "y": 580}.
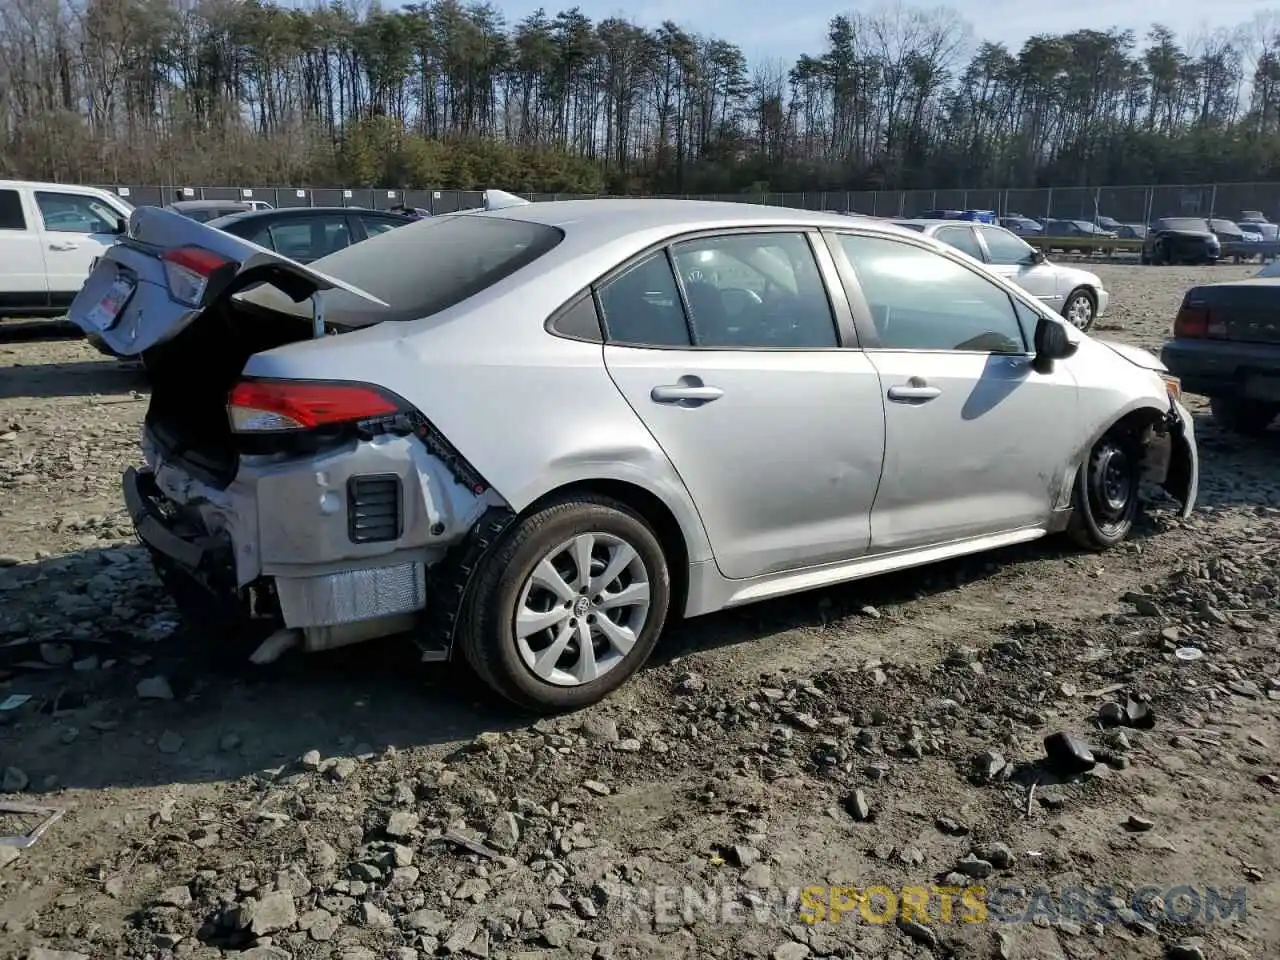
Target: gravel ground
{"x": 885, "y": 734}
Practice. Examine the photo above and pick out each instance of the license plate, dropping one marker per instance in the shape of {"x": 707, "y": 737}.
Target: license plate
{"x": 104, "y": 315}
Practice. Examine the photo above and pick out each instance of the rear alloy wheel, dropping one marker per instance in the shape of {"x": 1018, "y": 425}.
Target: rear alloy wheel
{"x": 1250, "y": 418}
{"x": 1106, "y": 493}
{"x": 568, "y": 606}
{"x": 1080, "y": 309}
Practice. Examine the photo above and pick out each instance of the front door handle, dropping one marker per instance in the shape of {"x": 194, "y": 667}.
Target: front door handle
{"x": 915, "y": 390}
{"x": 64, "y": 246}
{"x": 685, "y": 394}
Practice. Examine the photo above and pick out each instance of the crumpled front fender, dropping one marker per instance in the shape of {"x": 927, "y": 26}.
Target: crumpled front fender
{"x": 1182, "y": 481}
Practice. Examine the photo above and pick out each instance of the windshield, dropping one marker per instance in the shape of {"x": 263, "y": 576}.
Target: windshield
{"x": 423, "y": 267}
{"x": 1183, "y": 223}
{"x": 1224, "y": 226}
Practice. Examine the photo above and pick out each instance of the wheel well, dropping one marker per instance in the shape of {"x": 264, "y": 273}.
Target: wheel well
{"x": 1137, "y": 424}
{"x": 1087, "y": 291}
{"x": 655, "y": 513}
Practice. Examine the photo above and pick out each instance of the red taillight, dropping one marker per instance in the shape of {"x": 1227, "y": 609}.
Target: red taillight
{"x": 262, "y": 406}
{"x": 1191, "y": 322}
{"x": 1196, "y": 321}
{"x": 188, "y": 270}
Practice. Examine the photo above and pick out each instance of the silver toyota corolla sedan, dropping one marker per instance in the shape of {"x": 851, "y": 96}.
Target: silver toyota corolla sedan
{"x": 1076, "y": 294}
{"x": 535, "y": 434}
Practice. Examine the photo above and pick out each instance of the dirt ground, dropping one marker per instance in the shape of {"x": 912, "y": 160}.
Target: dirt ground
{"x": 881, "y": 735}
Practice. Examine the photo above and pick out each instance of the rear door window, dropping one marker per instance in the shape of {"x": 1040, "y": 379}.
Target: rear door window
{"x": 962, "y": 239}
{"x": 11, "y": 216}
{"x": 642, "y": 306}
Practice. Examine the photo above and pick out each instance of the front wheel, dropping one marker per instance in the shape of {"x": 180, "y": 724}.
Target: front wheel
{"x": 1080, "y": 309}
{"x": 1106, "y": 493}
{"x": 568, "y": 606}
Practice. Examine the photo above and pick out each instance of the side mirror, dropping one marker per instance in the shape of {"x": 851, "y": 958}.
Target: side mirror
{"x": 1052, "y": 343}
{"x": 1037, "y": 255}
{"x": 122, "y": 226}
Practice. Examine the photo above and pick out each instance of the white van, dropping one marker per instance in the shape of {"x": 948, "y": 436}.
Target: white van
{"x": 50, "y": 235}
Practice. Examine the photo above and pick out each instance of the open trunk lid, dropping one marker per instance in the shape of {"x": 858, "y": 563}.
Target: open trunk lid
{"x": 168, "y": 269}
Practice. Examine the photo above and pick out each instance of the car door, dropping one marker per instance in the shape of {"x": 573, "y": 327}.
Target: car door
{"x": 976, "y": 441}
{"x": 76, "y": 229}
{"x": 24, "y": 284}
{"x": 1014, "y": 259}
{"x": 730, "y": 349}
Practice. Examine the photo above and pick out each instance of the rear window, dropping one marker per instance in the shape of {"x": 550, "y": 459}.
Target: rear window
{"x": 1182, "y": 223}
{"x": 428, "y": 266}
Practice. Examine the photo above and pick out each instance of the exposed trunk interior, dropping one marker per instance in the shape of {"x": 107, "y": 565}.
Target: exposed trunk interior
{"x": 192, "y": 373}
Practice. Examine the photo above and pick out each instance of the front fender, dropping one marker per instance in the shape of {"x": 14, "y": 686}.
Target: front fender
{"x": 1182, "y": 481}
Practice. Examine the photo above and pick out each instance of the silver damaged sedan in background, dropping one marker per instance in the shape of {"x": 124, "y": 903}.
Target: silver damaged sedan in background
{"x": 534, "y": 434}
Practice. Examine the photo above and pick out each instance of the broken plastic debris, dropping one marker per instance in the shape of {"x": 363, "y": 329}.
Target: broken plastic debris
{"x": 22, "y": 841}
{"x": 14, "y": 701}
{"x": 1188, "y": 653}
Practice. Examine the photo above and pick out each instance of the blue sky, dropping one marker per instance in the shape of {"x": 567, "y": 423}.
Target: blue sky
{"x": 767, "y": 29}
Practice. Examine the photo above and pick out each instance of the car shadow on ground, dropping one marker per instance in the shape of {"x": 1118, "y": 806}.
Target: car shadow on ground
{"x": 85, "y": 725}
{"x": 80, "y": 378}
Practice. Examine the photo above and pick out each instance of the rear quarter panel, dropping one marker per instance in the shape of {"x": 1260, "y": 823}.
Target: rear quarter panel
{"x": 532, "y": 412}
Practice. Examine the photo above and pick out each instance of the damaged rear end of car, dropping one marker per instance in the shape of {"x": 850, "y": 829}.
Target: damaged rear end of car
{"x": 306, "y": 513}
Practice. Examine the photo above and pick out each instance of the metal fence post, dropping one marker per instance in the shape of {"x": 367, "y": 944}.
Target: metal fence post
{"x": 1048, "y": 204}
{"x": 1213, "y": 200}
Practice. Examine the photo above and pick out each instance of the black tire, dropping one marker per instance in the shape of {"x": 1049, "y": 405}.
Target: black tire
{"x": 1081, "y": 293}
{"x": 1105, "y": 499}
{"x": 1249, "y": 418}
{"x": 486, "y": 634}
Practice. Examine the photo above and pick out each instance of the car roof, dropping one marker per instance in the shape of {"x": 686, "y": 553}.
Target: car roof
{"x": 283, "y": 213}
{"x": 617, "y": 217}
{"x": 938, "y": 222}
{"x": 209, "y": 205}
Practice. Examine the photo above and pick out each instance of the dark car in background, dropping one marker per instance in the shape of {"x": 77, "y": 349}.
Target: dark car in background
{"x": 1022, "y": 226}
{"x": 1132, "y": 231}
{"x": 1181, "y": 240}
{"x": 1110, "y": 224}
{"x": 1226, "y": 346}
{"x": 1266, "y": 237}
{"x": 1077, "y": 236}
{"x": 309, "y": 233}
{"x": 1235, "y": 243}
{"x": 205, "y": 210}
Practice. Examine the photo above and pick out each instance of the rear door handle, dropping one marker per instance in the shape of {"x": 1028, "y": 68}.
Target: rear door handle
{"x": 917, "y": 391}
{"x": 685, "y": 393}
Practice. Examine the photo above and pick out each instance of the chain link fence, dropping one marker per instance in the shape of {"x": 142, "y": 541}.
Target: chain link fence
{"x": 1125, "y": 204}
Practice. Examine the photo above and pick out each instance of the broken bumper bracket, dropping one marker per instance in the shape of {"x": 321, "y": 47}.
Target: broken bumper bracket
{"x": 449, "y": 580}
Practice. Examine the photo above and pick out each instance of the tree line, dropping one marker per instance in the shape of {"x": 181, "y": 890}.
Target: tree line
{"x": 445, "y": 94}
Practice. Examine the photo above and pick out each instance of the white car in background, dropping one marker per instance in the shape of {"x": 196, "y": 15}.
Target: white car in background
{"x": 50, "y": 236}
{"x": 1077, "y": 295}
